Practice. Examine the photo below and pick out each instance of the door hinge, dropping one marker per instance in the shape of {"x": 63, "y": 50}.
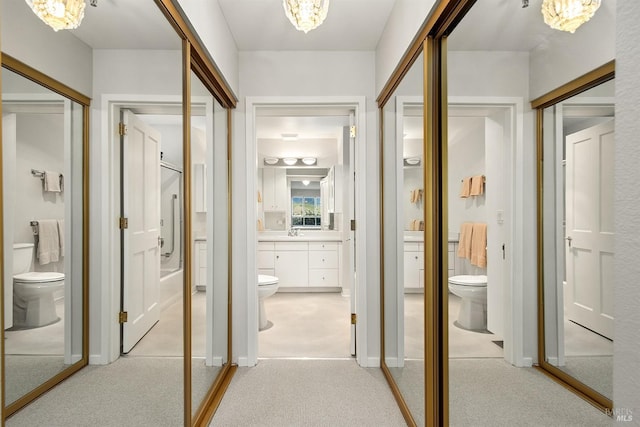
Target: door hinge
{"x": 353, "y": 225}
{"x": 352, "y": 132}
{"x": 124, "y": 223}
{"x": 122, "y": 129}
{"x": 122, "y": 317}
{"x": 354, "y": 318}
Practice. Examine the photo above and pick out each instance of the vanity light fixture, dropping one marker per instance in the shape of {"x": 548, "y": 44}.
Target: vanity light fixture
{"x": 309, "y": 161}
{"x": 412, "y": 161}
{"x": 306, "y": 15}
{"x": 568, "y": 15}
{"x": 290, "y": 161}
{"x": 305, "y": 182}
{"x": 59, "y": 14}
{"x": 271, "y": 160}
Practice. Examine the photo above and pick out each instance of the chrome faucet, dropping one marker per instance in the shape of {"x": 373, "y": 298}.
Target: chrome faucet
{"x": 292, "y": 232}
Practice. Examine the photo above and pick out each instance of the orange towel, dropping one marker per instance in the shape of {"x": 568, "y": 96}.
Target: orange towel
{"x": 464, "y": 244}
{"x": 465, "y": 191}
{"x": 259, "y": 197}
{"x": 479, "y": 245}
{"x": 477, "y": 185}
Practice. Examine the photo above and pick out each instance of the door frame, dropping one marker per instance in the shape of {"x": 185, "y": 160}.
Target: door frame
{"x": 106, "y": 175}
{"x": 358, "y": 104}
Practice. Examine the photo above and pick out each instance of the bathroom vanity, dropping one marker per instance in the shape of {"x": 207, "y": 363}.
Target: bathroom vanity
{"x": 414, "y": 260}
{"x": 309, "y": 262}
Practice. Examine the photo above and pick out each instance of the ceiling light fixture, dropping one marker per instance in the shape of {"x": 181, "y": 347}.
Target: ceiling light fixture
{"x": 290, "y": 161}
{"x": 59, "y": 14}
{"x": 568, "y": 15}
{"x": 306, "y": 15}
{"x": 306, "y": 182}
{"x": 309, "y": 161}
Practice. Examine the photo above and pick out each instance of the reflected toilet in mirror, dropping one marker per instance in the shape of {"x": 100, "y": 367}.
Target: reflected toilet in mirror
{"x": 33, "y": 292}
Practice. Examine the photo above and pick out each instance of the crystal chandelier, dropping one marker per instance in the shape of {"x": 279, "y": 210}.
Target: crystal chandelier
{"x": 306, "y": 15}
{"x": 59, "y": 14}
{"x": 568, "y": 15}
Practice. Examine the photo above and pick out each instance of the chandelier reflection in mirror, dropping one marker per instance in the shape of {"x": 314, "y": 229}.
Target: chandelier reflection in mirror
{"x": 568, "y": 15}
{"x": 59, "y": 14}
{"x": 306, "y": 15}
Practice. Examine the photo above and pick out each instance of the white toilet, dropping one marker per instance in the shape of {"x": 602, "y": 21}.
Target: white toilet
{"x": 473, "y": 306}
{"x": 267, "y": 286}
{"x": 33, "y": 304}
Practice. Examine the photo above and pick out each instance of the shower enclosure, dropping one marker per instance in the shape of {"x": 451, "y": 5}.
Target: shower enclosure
{"x": 170, "y": 219}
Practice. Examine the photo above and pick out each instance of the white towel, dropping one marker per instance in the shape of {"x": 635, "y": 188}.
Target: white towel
{"x": 61, "y": 236}
{"x": 48, "y": 241}
{"x": 52, "y": 182}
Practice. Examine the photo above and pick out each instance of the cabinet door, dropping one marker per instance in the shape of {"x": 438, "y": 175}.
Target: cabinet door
{"x": 323, "y": 259}
{"x": 413, "y": 263}
{"x": 291, "y": 268}
{"x": 280, "y": 189}
{"x": 274, "y": 189}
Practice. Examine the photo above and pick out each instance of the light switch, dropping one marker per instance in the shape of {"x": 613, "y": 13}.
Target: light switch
{"x": 500, "y": 216}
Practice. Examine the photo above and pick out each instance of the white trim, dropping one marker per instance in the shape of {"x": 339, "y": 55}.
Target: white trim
{"x": 514, "y": 334}
{"x": 359, "y": 105}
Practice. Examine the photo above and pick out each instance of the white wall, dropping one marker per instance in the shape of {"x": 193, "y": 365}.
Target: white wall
{"x": 466, "y": 159}
{"x": 304, "y": 74}
{"x": 626, "y": 370}
{"x": 40, "y": 145}
{"x": 572, "y": 55}
{"x": 57, "y": 54}
{"x": 209, "y": 22}
{"x": 405, "y": 20}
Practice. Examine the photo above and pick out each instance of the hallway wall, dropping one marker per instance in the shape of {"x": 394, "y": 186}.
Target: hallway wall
{"x": 316, "y": 74}
{"x": 626, "y": 372}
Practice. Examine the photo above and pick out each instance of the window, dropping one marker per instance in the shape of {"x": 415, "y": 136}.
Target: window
{"x": 306, "y": 212}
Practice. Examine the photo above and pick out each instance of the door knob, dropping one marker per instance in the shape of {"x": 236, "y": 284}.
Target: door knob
{"x": 569, "y": 239}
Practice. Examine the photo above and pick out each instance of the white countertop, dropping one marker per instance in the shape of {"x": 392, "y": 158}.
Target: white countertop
{"x": 303, "y": 236}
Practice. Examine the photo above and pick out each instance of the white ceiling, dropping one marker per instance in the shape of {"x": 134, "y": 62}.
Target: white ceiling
{"x": 350, "y": 25}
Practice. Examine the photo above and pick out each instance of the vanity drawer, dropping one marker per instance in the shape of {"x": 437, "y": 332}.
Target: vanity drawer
{"x": 323, "y": 277}
{"x": 323, "y": 246}
{"x": 323, "y": 259}
{"x": 266, "y": 246}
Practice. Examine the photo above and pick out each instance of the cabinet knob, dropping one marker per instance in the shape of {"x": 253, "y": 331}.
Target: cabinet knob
{"x": 277, "y": 256}
{"x": 416, "y": 256}
{"x": 322, "y": 259}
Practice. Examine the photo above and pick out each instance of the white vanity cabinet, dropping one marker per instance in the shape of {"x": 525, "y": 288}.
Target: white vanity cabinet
{"x": 200, "y": 264}
{"x": 307, "y": 264}
{"x": 413, "y": 265}
{"x": 274, "y": 189}
{"x": 324, "y": 264}
{"x": 266, "y": 258}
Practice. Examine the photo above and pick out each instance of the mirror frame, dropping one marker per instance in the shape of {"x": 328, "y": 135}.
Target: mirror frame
{"x": 42, "y": 79}
{"x": 430, "y": 40}
{"x": 585, "y": 82}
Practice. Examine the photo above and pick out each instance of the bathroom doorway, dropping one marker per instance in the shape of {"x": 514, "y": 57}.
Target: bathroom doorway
{"x": 305, "y": 206}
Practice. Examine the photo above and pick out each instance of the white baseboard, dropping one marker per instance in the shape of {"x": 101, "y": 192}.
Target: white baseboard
{"x": 97, "y": 359}
{"x": 527, "y": 362}
{"x": 393, "y": 362}
{"x": 372, "y": 362}
{"x": 243, "y": 361}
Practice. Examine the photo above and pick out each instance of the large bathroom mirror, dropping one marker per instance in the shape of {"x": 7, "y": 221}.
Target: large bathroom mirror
{"x": 577, "y": 237}
{"x": 210, "y": 237}
{"x": 44, "y": 147}
{"x": 403, "y": 198}
{"x": 130, "y": 58}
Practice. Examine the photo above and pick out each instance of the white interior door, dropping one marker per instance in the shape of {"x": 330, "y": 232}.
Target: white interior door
{"x": 590, "y": 227}
{"x": 141, "y": 248}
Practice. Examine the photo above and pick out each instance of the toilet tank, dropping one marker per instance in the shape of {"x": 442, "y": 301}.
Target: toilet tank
{"x": 22, "y": 257}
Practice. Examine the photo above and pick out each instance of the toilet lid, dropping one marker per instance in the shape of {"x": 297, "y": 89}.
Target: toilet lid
{"x": 38, "y": 277}
{"x": 469, "y": 280}
{"x": 264, "y": 279}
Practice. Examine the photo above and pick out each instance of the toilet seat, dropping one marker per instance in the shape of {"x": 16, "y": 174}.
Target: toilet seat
{"x": 38, "y": 277}
{"x": 469, "y": 280}
{"x": 265, "y": 280}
